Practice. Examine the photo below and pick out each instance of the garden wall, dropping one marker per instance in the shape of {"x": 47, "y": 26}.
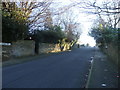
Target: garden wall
{"x": 26, "y": 48}
{"x": 112, "y": 52}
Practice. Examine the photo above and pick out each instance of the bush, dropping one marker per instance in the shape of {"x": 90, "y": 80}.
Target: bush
{"x": 12, "y": 30}
{"x": 49, "y": 36}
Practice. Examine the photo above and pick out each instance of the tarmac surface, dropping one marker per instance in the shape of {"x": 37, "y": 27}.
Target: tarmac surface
{"x": 62, "y": 70}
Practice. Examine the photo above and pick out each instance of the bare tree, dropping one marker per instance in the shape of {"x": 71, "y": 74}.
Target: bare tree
{"x": 108, "y": 8}
{"x": 69, "y": 21}
{"x": 33, "y": 11}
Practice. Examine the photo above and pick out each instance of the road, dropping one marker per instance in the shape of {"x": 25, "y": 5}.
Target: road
{"x": 61, "y": 70}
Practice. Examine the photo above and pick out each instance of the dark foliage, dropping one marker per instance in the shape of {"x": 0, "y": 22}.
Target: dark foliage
{"x": 105, "y": 36}
{"x": 49, "y": 36}
{"x": 14, "y": 26}
{"x": 12, "y": 30}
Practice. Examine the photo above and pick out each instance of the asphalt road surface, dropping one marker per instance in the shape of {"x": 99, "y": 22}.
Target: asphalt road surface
{"x": 62, "y": 70}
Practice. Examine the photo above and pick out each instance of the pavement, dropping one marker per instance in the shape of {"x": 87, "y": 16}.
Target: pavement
{"x": 103, "y": 73}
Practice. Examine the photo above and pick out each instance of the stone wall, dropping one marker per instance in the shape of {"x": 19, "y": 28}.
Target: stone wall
{"x": 22, "y": 48}
{"x": 6, "y": 50}
{"x": 26, "y": 48}
{"x": 46, "y": 48}
{"x": 112, "y": 52}
{"x": 17, "y": 49}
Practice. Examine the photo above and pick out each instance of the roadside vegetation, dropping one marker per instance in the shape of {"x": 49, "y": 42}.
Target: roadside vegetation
{"x": 20, "y": 22}
{"x": 106, "y": 30}
{"x": 43, "y": 23}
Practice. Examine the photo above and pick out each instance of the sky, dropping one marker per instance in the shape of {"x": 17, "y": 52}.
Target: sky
{"x": 86, "y": 23}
